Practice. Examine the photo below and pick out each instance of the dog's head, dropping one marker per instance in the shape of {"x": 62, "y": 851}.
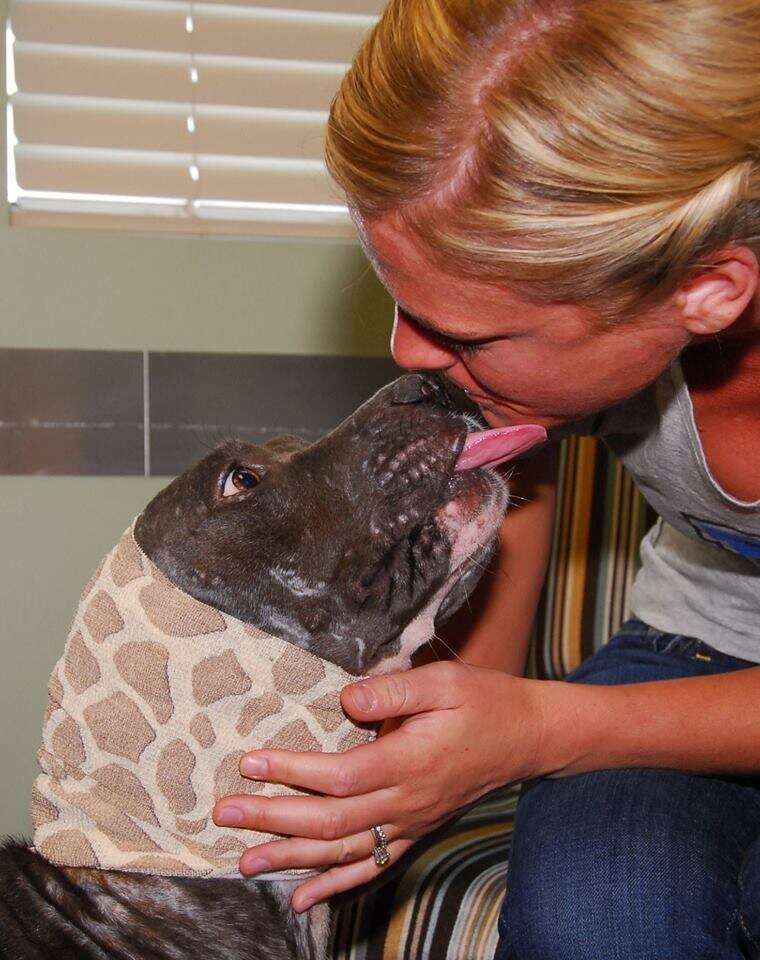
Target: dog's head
{"x": 351, "y": 547}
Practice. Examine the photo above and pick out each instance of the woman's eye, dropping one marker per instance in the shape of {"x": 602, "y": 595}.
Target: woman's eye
{"x": 239, "y": 479}
{"x": 468, "y": 349}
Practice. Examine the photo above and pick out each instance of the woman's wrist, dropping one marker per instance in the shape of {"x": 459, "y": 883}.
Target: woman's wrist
{"x": 572, "y": 722}
{"x": 708, "y": 724}
{"x": 538, "y": 728}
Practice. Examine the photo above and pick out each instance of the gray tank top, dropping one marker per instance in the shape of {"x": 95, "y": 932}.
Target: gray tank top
{"x": 700, "y": 573}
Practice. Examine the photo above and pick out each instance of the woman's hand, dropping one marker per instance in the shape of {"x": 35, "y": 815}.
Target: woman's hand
{"x": 466, "y": 730}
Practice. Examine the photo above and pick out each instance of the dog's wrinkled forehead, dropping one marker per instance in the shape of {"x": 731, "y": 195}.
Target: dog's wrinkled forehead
{"x": 283, "y": 447}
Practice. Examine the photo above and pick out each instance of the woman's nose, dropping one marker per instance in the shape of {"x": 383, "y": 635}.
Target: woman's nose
{"x": 413, "y": 349}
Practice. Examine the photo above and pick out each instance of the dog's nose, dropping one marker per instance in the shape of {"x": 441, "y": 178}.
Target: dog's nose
{"x": 419, "y": 387}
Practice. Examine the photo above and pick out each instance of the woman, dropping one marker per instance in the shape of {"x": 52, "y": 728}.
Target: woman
{"x": 563, "y": 198}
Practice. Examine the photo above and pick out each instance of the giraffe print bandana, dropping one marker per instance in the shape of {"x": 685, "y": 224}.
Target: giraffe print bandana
{"x": 150, "y": 708}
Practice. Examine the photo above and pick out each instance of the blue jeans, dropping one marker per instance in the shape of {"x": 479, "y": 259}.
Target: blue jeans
{"x": 639, "y": 863}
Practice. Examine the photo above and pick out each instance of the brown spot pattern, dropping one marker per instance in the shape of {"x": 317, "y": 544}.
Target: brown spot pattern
{"x": 191, "y": 826}
{"x": 296, "y": 736}
{"x": 227, "y": 779}
{"x": 69, "y": 846}
{"x": 119, "y": 727}
{"x": 42, "y": 810}
{"x": 102, "y": 617}
{"x": 67, "y": 743}
{"x": 144, "y": 666}
{"x": 202, "y": 730}
{"x": 80, "y": 666}
{"x": 327, "y": 711}
{"x": 126, "y": 563}
{"x": 218, "y": 677}
{"x": 229, "y": 845}
{"x": 55, "y": 690}
{"x": 177, "y": 614}
{"x": 257, "y": 710}
{"x": 204, "y": 850}
{"x": 292, "y": 675}
{"x": 121, "y": 831}
{"x": 175, "y": 767}
{"x": 162, "y": 864}
{"x": 134, "y": 799}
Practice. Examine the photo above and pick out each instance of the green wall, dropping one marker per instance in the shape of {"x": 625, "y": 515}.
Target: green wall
{"x": 102, "y": 290}
{"x": 87, "y": 290}
{"x": 72, "y": 289}
{"x": 98, "y": 290}
{"x": 54, "y": 531}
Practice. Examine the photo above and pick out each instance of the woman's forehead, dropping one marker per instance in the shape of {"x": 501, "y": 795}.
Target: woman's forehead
{"x": 426, "y": 290}
{"x": 390, "y": 245}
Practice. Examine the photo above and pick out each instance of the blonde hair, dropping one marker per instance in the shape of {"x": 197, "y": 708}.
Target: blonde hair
{"x": 581, "y": 150}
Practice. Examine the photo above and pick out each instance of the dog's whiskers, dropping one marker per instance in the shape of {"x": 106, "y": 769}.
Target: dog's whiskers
{"x": 451, "y": 650}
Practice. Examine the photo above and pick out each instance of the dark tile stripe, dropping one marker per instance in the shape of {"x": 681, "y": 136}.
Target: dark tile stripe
{"x": 71, "y": 412}
{"x": 198, "y": 400}
{"x": 87, "y": 411}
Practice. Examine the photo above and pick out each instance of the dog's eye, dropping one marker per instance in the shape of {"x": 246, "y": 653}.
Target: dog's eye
{"x": 239, "y": 479}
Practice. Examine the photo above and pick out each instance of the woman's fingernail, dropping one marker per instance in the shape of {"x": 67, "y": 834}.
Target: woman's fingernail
{"x": 254, "y": 766}
{"x": 363, "y": 698}
{"x": 230, "y": 817}
{"x": 256, "y": 865}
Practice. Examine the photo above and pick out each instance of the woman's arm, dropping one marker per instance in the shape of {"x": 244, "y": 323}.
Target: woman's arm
{"x": 698, "y": 724}
{"x": 493, "y": 629}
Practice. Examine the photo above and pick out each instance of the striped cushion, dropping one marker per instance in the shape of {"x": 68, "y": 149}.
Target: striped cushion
{"x": 441, "y": 902}
{"x": 599, "y": 522}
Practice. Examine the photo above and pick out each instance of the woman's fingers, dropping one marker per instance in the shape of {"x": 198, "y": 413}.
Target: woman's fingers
{"x": 371, "y": 766}
{"x": 342, "y": 878}
{"x": 432, "y": 686}
{"x": 296, "y": 852}
{"x": 316, "y": 818}
{"x": 360, "y": 770}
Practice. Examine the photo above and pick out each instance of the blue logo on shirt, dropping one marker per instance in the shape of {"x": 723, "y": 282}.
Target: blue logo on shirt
{"x": 736, "y": 541}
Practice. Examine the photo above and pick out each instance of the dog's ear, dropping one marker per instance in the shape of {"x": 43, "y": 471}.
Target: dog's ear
{"x": 286, "y": 445}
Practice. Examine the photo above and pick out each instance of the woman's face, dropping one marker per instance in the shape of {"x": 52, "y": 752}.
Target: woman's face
{"x": 520, "y": 362}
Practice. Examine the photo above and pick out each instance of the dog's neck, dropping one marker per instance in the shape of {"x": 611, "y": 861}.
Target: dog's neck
{"x": 155, "y": 700}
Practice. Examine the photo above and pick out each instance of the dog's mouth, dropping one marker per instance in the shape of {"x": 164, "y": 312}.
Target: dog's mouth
{"x": 462, "y": 525}
{"x": 475, "y": 506}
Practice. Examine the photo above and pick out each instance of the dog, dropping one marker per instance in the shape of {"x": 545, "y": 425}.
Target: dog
{"x": 347, "y": 552}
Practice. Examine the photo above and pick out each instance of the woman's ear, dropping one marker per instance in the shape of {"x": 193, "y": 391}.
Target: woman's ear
{"x": 718, "y": 295}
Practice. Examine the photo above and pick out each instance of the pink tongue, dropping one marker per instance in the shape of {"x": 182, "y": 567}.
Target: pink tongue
{"x": 492, "y": 447}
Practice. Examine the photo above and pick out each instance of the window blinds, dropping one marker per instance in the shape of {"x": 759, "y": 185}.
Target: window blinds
{"x": 199, "y": 117}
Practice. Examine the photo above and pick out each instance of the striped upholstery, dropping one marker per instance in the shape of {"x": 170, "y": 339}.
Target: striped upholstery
{"x": 600, "y": 520}
{"x": 441, "y": 902}
{"x": 444, "y": 902}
